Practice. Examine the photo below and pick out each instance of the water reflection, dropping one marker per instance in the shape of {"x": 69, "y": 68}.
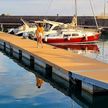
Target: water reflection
{"x": 86, "y": 100}
{"x": 19, "y": 89}
{"x": 103, "y": 55}
{"x": 39, "y": 82}
{"x": 80, "y": 48}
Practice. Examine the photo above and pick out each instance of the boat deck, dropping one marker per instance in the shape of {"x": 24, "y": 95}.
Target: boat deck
{"x": 83, "y": 68}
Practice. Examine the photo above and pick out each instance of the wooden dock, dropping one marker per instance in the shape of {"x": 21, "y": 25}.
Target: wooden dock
{"x": 90, "y": 74}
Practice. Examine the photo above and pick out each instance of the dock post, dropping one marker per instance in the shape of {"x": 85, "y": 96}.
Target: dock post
{"x": 48, "y": 71}
{"x": 20, "y": 55}
{"x": 71, "y": 81}
{"x": 4, "y": 46}
{"x": 11, "y": 51}
{"x": 92, "y": 89}
{"x": 32, "y": 62}
{"x": 74, "y": 84}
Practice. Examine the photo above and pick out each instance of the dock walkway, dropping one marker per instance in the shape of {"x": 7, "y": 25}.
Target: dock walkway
{"x": 90, "y": 72}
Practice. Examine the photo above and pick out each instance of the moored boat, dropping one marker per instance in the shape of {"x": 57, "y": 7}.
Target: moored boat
{"x": 72, "y": 36}
{"x": 23, "y": 29}
{"x": 72, "y": 33}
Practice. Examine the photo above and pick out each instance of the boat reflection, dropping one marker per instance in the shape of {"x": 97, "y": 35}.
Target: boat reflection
{"x": 80, "y": 48}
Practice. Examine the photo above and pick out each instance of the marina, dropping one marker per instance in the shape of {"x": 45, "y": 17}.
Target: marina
{"x": 77, "y": 98}
{"x": 54, "y": 54}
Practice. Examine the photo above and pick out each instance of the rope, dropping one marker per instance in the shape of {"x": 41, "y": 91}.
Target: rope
{"x": 93, "y": 14}
{"x": 50, "y": 3}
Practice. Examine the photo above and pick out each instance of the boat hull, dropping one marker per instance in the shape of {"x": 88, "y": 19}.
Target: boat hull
{"x": 93, "y": 38}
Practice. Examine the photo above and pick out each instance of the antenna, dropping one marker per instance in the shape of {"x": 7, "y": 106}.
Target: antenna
{"x": 104, "y": 8}
{"x": 48, "y": 7}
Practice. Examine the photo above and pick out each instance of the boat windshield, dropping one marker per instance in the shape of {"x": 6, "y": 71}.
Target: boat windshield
{"x": 32, "y": 25}
{"x": 47, "y": 26}
{"x": 75, "y": 34}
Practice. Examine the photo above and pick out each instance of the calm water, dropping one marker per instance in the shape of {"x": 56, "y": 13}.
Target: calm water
{"x": 19, "y": 87}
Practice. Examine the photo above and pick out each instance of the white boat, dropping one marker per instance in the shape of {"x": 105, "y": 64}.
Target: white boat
{"x": 24, "y": 29}
{"x": 72, "y": 36}
{"x": 51, "y": 28}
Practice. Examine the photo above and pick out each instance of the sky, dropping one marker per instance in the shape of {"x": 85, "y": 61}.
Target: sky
{"x": 52, "y": 7}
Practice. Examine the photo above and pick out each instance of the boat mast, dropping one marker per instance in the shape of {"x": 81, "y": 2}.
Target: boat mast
{"x": 104, "y": 8}
{"x": 93, "y": 13}
{"x": 74, "y": 18}
{"x": 76, "y": 12}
